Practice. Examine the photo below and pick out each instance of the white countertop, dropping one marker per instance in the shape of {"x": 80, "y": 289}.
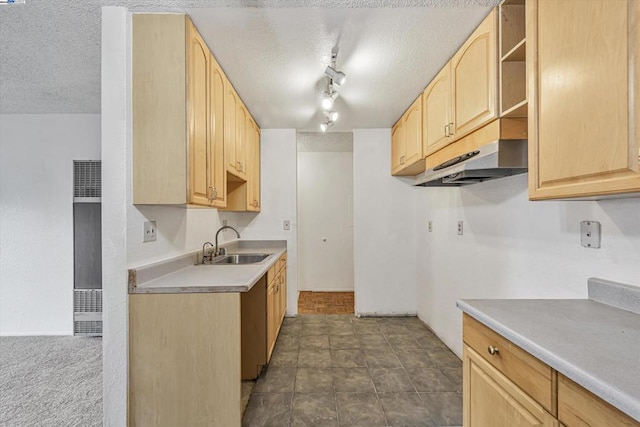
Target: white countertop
{"x": 594, "y": 344}
{"x": 181, "y": 275}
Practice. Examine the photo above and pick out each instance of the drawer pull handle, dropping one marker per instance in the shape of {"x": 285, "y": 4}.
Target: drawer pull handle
{"x": 493, "y": 350}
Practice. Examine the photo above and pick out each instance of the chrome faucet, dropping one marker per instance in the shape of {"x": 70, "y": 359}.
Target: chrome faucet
{"x": 217, "y": 251}
{"x": 206, "y": 258}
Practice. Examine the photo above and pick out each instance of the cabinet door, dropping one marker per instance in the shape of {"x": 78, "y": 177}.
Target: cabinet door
{"x": 398, "y": 147}
{"x": 283, "y": 293}
{"x": 271, "y": 317}
{"x": 253, "y": 167}
{"x": 241, "y": 135}
{"x": 249, "y": 149}
{"x": 230, "y": 108}
{"x": 198, "y": 111}
{"x": 474, "y": 78}
{"x": 413, "y": 132}
{"x": 584, "y": 134}
{"x": 490, "y": 399}
{"x": 217, "y": 170}
{"x": 256, "y": 167}
{"x": 437, "y": 112}
{"x": 578, "y": 407}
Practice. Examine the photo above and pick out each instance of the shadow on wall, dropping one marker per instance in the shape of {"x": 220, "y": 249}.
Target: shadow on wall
{"x": 238, "y": 220}
{"x": 625, "y": 213}
{"x": 172, "y": 221}
{"x": 496, "y": 191}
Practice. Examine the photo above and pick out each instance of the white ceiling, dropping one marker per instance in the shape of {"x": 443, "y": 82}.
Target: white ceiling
{"x": 273, "y": 51}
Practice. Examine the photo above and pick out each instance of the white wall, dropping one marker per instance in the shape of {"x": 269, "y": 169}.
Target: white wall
{"x": 36, "y": 218}
{"x": 277, "y": 203}
{"x": 384, "y": 218}
{"x": 514, "y": 248}
{"x": 325, "y": 212}
{"x": 116, "y": 142}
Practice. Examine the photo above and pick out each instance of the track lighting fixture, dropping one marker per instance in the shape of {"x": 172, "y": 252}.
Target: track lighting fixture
{"x": 338, "y": 77}
{"x": 326, "y": 125}
{"x": 328, "y": 98}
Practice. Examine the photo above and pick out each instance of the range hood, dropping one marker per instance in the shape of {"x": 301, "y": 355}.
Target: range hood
{"x": 497, "y": 159}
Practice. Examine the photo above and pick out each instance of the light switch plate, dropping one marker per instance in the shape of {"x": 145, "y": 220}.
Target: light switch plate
{"x": 149, "y": 231}
{"x": 590, "y": 234}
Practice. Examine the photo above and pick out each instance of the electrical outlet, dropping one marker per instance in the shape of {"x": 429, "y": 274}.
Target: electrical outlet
{"x": 430, "y": 226}
{"x": 460, "y": 228}
{"x": 286, "y": 225}
{"x": 590, "y": 234}
{"x": 149, "y": 231}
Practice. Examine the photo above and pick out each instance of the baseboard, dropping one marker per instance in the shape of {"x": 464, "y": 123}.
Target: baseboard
{"x": 326, "y": 290}
{"x": 374, "y": 314}
{"x": 37, "y": 334}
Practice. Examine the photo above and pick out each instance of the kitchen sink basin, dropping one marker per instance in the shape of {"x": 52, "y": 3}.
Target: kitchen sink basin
{"x": 241, "y": 259}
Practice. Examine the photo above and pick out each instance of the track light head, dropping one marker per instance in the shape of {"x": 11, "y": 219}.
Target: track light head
{"x": 331, "y": 115}
{"x": 338, "y": 77}
{"x": 328, "y": 99}
{"x": 326, "y": 125}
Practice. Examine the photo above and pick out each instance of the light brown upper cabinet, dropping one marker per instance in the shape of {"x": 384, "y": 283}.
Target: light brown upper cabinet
{"x": 398, "y": 147}
{"x": 177, "y": 145}
{"x": 241, "y": 139}
{"x": 436, "y": 109}
{"x": 253, "y": 166}
{"x": 474, "y": 78}
{"x": 235, "y": 133}
{"x": 198, "y": 66}
{"x": 231, "y": 102}
{"x": 407, "y": 156}
{"x": 584, "y": 128}
{"x": 243, "y": 189}
{"x": 216, "y": 108}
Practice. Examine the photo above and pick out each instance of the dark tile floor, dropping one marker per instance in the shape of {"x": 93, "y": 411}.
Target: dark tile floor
{"x": 339, "y": 370}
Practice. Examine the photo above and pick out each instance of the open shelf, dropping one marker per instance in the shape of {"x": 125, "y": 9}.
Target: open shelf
{"x": 517, "y": 54}
{"x": 518, "y": 110}
{"x": 512, "y": 26}
{"x": 513, "y": 56}
{"x": 513, "y": 85}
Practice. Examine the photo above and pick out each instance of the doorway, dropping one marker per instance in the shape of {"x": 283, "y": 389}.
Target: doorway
{"x": 325, "y": 223}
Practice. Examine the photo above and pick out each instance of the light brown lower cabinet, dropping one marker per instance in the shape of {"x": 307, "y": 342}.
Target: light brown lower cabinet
{"x": 579, "y": 407}
{"x": 492, "y": 400}
{"x": 276, "y": 301}
{"x": 184, "y": 359}
{"x": 504, "y": 386}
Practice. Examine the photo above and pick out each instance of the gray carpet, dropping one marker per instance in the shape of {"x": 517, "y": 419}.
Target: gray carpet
{"x": 50, "y": 381}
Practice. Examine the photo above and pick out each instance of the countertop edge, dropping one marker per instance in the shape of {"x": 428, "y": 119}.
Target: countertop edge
{"x": 231, "y": 288}
{"x": 627, "y": 404}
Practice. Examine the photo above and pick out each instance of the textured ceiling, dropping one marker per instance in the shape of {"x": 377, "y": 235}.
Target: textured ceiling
{"x": 274, "y": 52}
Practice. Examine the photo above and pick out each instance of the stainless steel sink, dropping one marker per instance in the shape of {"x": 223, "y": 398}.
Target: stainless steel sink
{"x": 237, "y": 259}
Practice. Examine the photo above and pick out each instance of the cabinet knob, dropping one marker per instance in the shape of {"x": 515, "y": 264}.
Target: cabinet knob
{"x": 492, "y": 350}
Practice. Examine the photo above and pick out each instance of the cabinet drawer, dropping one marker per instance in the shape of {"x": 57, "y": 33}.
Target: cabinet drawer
{"x": 531, "y": 375}
{"x": 578, "y": 407}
